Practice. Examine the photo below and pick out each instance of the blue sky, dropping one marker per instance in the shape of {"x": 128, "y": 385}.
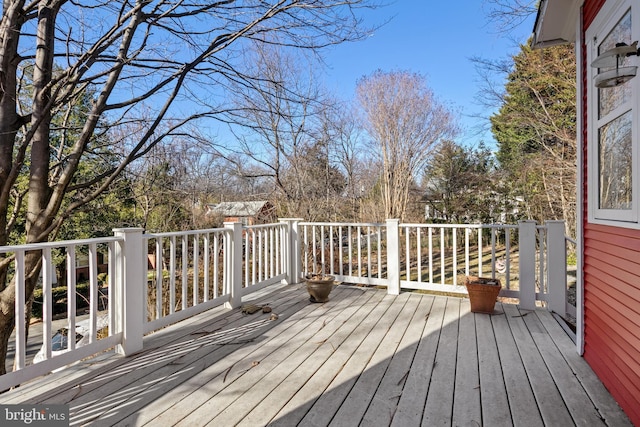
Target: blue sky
{"x": 433, "y": 38}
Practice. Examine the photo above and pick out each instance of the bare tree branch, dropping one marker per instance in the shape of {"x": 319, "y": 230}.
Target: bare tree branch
{"x": 158, "y": 64}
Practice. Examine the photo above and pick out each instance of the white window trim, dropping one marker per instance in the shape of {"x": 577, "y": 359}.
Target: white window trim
{"x": 607, "y": 18}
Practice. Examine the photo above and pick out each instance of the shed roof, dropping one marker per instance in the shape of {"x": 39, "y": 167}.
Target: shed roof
{"x": 238, "y": 209}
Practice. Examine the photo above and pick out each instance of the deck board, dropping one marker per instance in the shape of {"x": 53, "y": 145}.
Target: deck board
{"x": 173, "y": 407}
{"x": 552, "y": 407}
{"x": 364, "y": 358}
{"x": 524, "y": 411}
{"x": 410, "y": 408}
{"x": 242, "y": 389}
{"x": 261, "y": 401}
{"x": 607, "y": 407}
{"x": 495, "y": 401}
{"x": 321, "y": 413}
{"x": 385, "y": 400}
{"x": 308, "y": 394}
{"x": 466, "y": 406}
{"x": 576, "y": 402}
{"x": 439, "y": 406}
{"x": 357, "y": 401}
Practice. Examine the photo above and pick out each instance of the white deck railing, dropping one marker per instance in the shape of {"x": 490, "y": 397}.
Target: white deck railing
{"x": 437, "y": 257}
{"x": 196, "y": 270}
{"x": 67, "y": 252}
{"x": 173, "y": 276}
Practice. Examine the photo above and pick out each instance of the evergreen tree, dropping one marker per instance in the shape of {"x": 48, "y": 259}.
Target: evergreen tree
{"x": 459, "y": 184}
{"x": 536, "y": 132}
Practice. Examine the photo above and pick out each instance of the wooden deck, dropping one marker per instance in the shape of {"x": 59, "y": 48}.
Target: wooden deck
{"x": 363, "y": 358}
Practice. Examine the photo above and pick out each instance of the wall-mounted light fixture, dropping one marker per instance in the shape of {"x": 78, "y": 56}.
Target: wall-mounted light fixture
{"x": 614, "y": 58}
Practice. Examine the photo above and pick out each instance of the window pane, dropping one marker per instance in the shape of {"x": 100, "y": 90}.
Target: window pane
{"x": 614, "y": 148}
{"x": 610, "y": 98}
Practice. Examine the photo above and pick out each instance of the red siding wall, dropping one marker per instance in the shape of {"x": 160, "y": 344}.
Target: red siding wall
{"x": 612, "y": 311}
{"x": 591, "y": 9}
{"x": 611, "y": 289}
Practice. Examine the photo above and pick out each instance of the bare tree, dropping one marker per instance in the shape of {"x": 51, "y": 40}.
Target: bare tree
{"x": 509, "y": 14}
{"x": 157, "y": 64}
{"x": 347, "y": 146}
{"x": 283, "y": 133}
{"x": 405, "y": 121}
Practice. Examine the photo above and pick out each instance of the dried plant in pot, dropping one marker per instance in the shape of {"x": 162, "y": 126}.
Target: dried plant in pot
{"x": 483, "y": 293}
{"x": 319, "y": 286}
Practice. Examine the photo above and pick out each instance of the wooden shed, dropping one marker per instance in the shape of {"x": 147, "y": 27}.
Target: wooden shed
{"x": 248, "y": 213}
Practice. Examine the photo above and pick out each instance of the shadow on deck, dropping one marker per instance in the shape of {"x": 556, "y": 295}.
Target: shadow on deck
{"x": 365, "y": 357}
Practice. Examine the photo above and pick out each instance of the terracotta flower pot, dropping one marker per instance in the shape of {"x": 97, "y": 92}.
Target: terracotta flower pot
{"x": 319, "y": 287}
{"x": 483, "y": 293}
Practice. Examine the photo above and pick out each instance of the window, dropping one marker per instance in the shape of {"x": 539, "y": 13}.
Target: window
{"x": 614, "y": 170}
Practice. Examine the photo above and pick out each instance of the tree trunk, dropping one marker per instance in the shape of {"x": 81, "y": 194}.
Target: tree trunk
{"x": 38, "y": 220}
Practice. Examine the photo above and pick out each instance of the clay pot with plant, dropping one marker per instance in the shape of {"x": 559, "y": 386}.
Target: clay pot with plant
{"x": 319, "y": 286}
{"x": 483, "y": 293}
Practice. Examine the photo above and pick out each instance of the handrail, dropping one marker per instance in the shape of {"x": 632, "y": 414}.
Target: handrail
{"x": 57, "y": 244}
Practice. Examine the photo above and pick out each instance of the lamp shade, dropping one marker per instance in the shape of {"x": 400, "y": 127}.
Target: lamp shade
{"x": 615, "y": 77}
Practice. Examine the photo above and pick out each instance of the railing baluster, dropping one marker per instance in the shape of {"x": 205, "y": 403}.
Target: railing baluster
{"x": 430, "y": 255}
{"x": 185, "y": 271}
{"x": 359, "y": 251}
{"x": 541, "y": 259}
{"x": 407, "y": 251}
{"x": 368, "y": 251}
{"x": 419, "y": 253}
{"x": 454, "y": 281}
{"x": 480, "y": 252}
{"x": 331, "y": 251}
{"x": 158, "y": 270}
{"x": 20, "y": 326}
{"x": 47, "y": 305}
{"x": 340, "y": 248}
{"x": 467, "y": 232}
{"x": 93, "y": 292}
{"x": 145, "y": 274}
{"x": 205, "y": 252}
{"x": 216, "y": 264}
{"x": 265, "y": 254}
{"x": 260, "y": 256}
{"x": 271, "y": 253}
{"x": 196, "y": 269}
{"x": 493, "y": 253}
{"x": 71, "y": 290}
{"x": 322, "y": 250}
{"x": 279, "y": 251}
{"x": 307, "y": 252}
{"x": 442, "y": 255}
{"x": 172, "y": 274}
{"x": 379, "y": 252}
{"x": 507, "y": 255}
{"x": 350, "y": 252}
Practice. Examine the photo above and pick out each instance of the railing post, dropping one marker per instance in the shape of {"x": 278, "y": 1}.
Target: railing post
{"x": 292, "y": 241}
{"x": 527, "y": 264}
{"x": 393, "y": 256}
{"x": 556, "y": 267}
{"x": 129, "y": 288}
{"x": 235, "y": 275}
